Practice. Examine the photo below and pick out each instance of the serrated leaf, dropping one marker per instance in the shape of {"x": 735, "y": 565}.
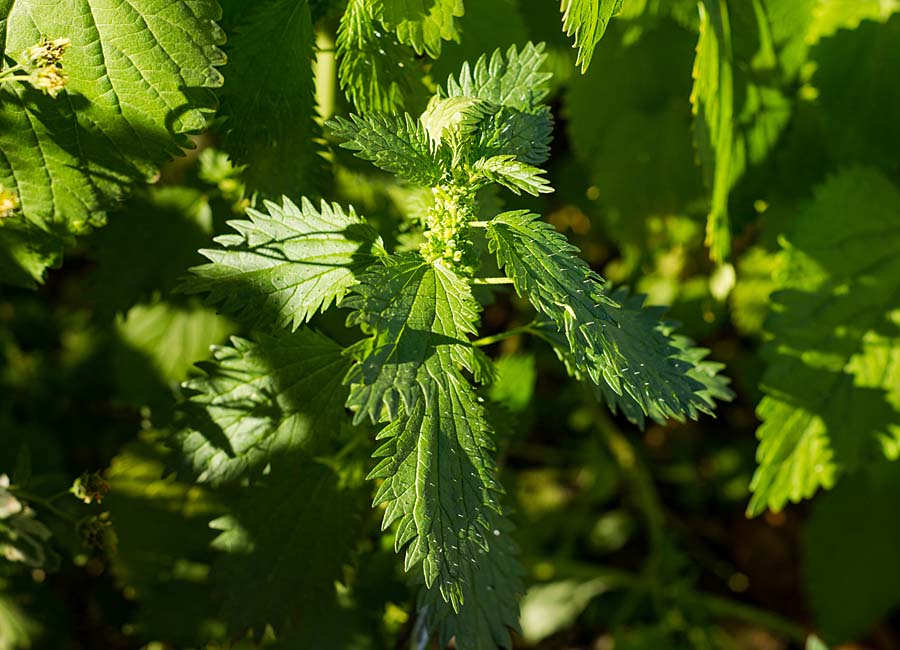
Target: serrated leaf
{"x": 268, "y": 98}
{"x": 851, "y": 548}
{"x": 514, "y": 85}
{"x": 833, "y": 384}
{"x": 286, "y": 263}
{"x": 376, "y": 71}
{"x": 284, "y": 545}
{"x": 397, "y": 144}
{"x": 489, "y": 606}
{"x": 526, "y": 136}
{"x": 157, "y": 343}
{"x": 610, "y": 339}
{"x": 513, "y": 174}
{"x": 586, "y": 20}
{"x": 423, "y": 24}
{"x": 739, "y": 108}
{"x": 853, "y": 77}
{"x": 439, "y": 483}
{"x": 131, "y": 95}
{"x": 831, "y": 16}
{"x": 480, "y": 34}
{"x": 515, "y": 80}
{"x": 437, "y": 466}
{"x": 419, "y": 316}
{"x": 453, "y": 117}
{"x": 259, "y": 400}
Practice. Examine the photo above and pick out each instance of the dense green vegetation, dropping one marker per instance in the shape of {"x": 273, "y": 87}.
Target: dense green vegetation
{"x": 450, "y": 323}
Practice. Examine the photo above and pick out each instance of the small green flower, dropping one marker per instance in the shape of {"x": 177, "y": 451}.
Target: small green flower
{"x": 90, "y": 487}
{"x": 9, "y": 202}
{"x": 47, "y": 53}
{"x": 49, "y": 79}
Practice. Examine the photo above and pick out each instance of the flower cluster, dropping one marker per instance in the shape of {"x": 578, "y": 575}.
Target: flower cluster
{"x": 44, "y": 62}
{"x": 9, "y": 202}
{"x": 41, "y": 66}
{"x": 90, "y": 487}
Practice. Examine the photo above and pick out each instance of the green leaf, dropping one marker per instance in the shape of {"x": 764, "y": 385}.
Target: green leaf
{"x": 418, "y": 316}
{"x": 437, "y": 466}
{"x": 739, "y": 108}
{"x": 853, "y": 77}
{"x": 552, "y": 607}
{"x": 162, "y": 541}
{"x": 452, "y": 118}
{"x": 636, "y": 141}
{"x": 131, "y": 95}
{"x": 705, "y": 372}
{"x": 833, "y": 384}
{"x": 489, "y": 598}
{"x": 284, "y": 544}
{"x": 515, "y": 382}
{"x": 258, "y": 400}
{"x": 750, "y": 297}
{"x": 515, "y": 175}
{"x": 830, "y": 17}
{"x": 439, "y": 483}
{"x": 19, "y": 629}
{"x": 396, "y": 144}
{"x": 480, "y": 34}
{"x": 286, "y": 263}
{"x": 269, "y": 77}
{"x": 610, "y": 338}
{"x": 864, "y": 563}
{"x": 586, "y": 20}
{"x": 376, "y": 71}
{"x": 815, "y": 643}
{"x": 514, "y": 81}
{"x": 526, "y": 136}
{"x": 147, "y": 246}
{"x": 423, "y": 24}
{"x": 157, "y": 345}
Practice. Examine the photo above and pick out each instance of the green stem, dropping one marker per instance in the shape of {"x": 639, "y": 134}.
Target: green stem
{"x": 495, "y": 338}
{"x": 42, "y": 503}
{"x": 723, "y": 607}
{"x": 498, "y": 280}
{"x": 719, "y": 606}
{"x": 478, "y": 224}
{"x": 641, "y": 483}
{"x": 11, "y": 70}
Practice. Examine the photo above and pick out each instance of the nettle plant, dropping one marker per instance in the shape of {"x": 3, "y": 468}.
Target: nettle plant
{"x": 418, "y": 370}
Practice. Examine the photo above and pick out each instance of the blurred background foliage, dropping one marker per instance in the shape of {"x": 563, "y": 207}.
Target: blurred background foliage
{"x": 632, "y": 540}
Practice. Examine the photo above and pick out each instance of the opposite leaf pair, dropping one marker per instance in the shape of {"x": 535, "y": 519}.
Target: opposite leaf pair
{"x": 417, "y": 368}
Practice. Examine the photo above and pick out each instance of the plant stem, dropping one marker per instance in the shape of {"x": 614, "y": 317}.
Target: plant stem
{"x": 43, "y": 503}
{"x": 499, "y": 280}
{"x": 719, "y": 606}
{"x": 495, "y": 338}
{"x": 11, "y": 70}
{"x": 648, "y": 501}
{"x": 723, "y": 607}
{"x": 478, "y": 224}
